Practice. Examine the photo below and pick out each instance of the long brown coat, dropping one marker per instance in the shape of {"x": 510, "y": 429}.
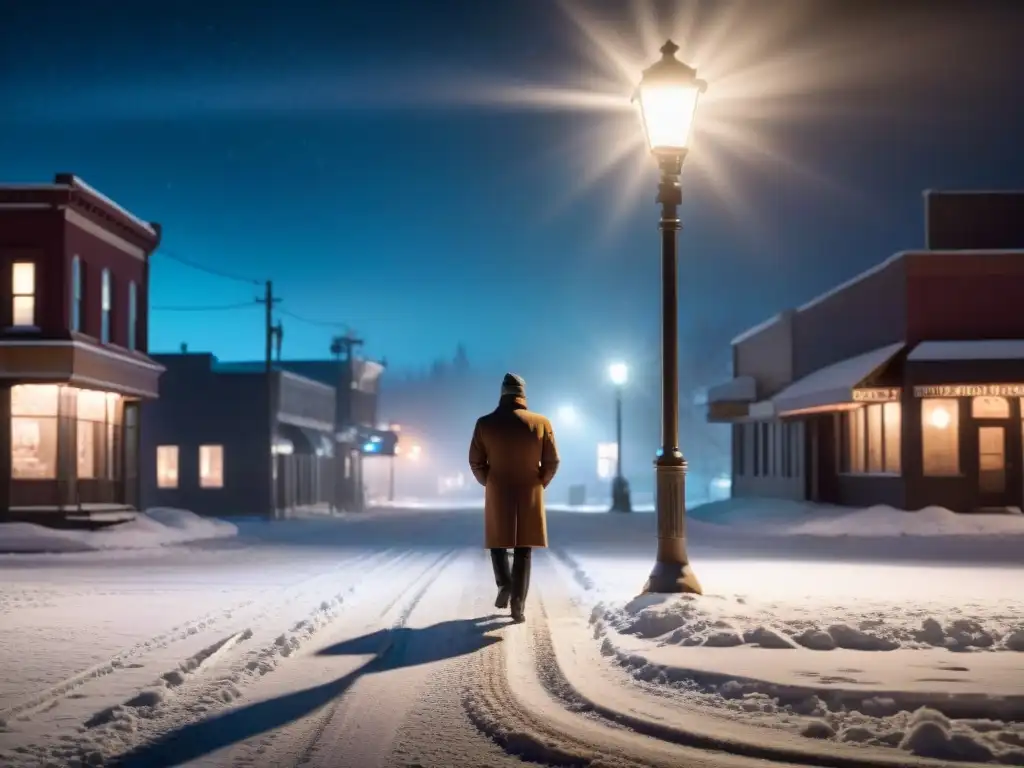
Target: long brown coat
{"x": 513, "y": 455}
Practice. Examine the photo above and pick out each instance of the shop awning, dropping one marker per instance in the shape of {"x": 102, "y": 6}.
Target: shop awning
{"x": 833, "y": 386}
{"x": 305, "y": 440}
{"x": 742, "y": 389}
{"x": 981, "y": 349}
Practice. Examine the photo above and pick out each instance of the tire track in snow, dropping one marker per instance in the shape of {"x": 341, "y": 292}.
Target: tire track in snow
{"x": 166, "y": 704}
{"x": 298, "y": 742}
{"x": 394, "y": 617}
{"x": 184, "y": 633}
{"x": 514, "y": 699}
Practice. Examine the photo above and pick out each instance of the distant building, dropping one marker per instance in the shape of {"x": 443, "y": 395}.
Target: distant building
{"x": 211, "y": 445}
{"x": 74, "y": 271}
{"x": 903, "y": 386}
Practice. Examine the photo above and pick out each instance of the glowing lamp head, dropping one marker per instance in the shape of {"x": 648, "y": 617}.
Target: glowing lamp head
{"x": 939, "y": 418}
{"x": 567, "y": 415}
{"x": 668, "y": 94}
{"x": 618, "y": 373}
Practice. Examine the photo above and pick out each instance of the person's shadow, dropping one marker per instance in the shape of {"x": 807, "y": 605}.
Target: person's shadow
{"x": 390, "y": 648}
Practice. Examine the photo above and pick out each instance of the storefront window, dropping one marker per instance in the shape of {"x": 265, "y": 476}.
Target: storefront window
{"x": 892, "y": 417}
{"x": 990, "y": 408}
{"x": 855, "y": 419}
{"x": 871, "y": 439}
{"x": 167, "y": 466}
{"x": 211, "y": 466}
{"x": 875, "y": 437}
{"x": 91, "y": 439}
{"x": 940, "y": 437}
{"x": 34, "y": 431}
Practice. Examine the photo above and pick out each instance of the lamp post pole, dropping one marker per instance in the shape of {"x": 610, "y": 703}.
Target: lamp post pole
{"x": 618, "y": 372}
{"x": 618, "y": 431}
{"x": 670, "y": 88}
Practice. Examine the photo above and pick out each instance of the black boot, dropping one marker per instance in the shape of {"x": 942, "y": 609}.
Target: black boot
{"x": 520, "y": 581}
{"x": 517, "y": 611}
{"x": 502, "y": 577}
{"x": 503, "y": 596}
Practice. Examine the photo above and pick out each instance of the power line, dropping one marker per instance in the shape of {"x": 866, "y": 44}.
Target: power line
{"x": 206, "y": 308}
{"x": 204, "y": 268}
{"x": 321, "y": 323}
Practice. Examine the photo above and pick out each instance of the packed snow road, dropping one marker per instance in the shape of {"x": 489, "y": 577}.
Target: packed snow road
{"x": 360, "y": 642}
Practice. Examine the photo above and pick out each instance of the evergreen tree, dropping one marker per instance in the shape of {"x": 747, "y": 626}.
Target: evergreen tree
{"x": 460, "y": 363}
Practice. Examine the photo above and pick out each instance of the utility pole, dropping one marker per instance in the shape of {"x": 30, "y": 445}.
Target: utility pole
{"x": 269, "y": 331}
{"x": 278, "y": 339}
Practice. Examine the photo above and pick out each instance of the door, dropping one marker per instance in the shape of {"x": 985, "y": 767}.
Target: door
{"x": 993, "y": 466}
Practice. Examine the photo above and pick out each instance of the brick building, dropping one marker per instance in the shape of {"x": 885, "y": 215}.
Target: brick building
{"x": 74, "y": 268}
{"x": 903, "y": 386}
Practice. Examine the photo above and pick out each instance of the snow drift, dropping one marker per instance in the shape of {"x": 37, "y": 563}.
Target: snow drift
{"x": 156, "y": 527}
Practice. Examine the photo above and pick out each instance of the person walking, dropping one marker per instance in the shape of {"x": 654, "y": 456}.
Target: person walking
{"x": 514, "y": 457}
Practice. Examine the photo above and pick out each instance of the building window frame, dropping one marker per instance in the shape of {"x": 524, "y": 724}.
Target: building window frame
{"x": 859, "y": 428}
{"x": 168, "y": 466}
{"x": 76, "y": 293}
{"x": 133, "y": 315}
{"x": 211, "y": 466}
{"x": 106, "y": 304}
{"x": 24, "y": 293}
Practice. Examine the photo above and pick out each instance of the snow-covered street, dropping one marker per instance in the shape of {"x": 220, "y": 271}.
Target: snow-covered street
{"x": 373, "y": 640}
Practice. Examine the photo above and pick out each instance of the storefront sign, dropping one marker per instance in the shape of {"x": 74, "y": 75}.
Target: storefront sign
{"x": 877, "y": 395}
{"x": 970, "y": 390}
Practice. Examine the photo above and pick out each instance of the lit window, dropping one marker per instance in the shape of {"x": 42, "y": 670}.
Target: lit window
{"x": 76, "y": 294}
{"x": 990, "y": 408}
{"x": 23, "y": 291}
{"x": 940, "y": 437}
{"x": 871, "y": 439}
{"x": 607, "y": 458}
{"x": 892, "y": 414}
{"x": 34, "y": 431}
{"x": 855, "y": 441}
{"x": 91, "y": 413}
{"x": 875, "y": 437}
{"x": 105, "y": 302}
{"x": 211, "y": 466}
{"x": 133, "y": 309}
{"x": 167, "y": 466}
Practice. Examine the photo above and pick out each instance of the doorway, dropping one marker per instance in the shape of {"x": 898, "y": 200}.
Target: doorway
{"x": 993, "y": 465}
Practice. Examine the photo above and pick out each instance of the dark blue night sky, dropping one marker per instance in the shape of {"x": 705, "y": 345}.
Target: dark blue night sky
{"x": 430, "y": 172}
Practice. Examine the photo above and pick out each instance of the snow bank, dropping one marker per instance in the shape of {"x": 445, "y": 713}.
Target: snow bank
{"x": 780, "y": 517}
{"x": 818, "y": 625}
{"x": 933, "y": 675}
{"x": 154, "y": 528}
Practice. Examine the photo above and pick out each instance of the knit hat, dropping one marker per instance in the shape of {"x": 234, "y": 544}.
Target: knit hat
{"x": 512, "y": 385}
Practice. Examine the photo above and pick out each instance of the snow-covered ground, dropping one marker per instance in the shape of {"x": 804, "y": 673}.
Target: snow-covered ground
{"x": 154, "y": 528}
{"x": 371, "y": 640}
{"x": 925, "y": 657}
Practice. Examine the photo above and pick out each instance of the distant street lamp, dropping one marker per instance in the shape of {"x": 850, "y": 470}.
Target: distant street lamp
{"x": 619, "y": 374}
{"x": 567, "y": 415}
{"x": 668, "y": 94}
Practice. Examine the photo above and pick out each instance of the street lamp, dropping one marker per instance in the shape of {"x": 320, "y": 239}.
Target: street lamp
{"x": 567, "y": 415}
{"x": 668, "y": 95}
{"x": 619, "y": 374}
